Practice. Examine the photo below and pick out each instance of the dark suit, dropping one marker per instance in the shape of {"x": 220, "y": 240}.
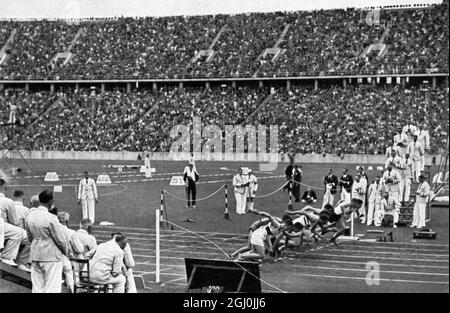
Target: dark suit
{"x": 309, "y": 196}
{"x": 297, "y": 177}
{"x": 288, "y": 173}
{"x": 191, "y": 188}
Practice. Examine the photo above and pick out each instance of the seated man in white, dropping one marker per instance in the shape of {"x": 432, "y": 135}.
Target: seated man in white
{"x": 128, "y": 262}
{"x": 390, "y": 206}
{"x": 107, "y": 263}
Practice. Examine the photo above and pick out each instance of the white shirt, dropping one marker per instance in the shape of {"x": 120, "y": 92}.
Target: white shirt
{"x": 2, "y": 233}
{"x": 359, "y": 190}
{"x": 303, "y": 220}
{"x": 147, "y": 162}
{"x": 390, "y": 205}
{"x": 424, "y": 138}
{"x": 7, "y": 211}
{"x": 87, "y": 189}
{"x": 253, "y": 187}
{"x": 423, "y": 192}
{"x": 238, "y": 181}
{"x": 190, "y": 173}
{"x": 407, "y": 168}
{"x": 106, "y": 261}
{"x": 21, "y": 213}
{"x": 375, "y": 192}
{"x": 416, "y": 151}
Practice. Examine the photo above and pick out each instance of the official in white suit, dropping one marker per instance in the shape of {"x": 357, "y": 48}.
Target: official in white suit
{"x": 240, "y": 182}
{"x": 423, "y": 137}
{"x": 88, "y": 197}
{"x": 422, "y": 194}
{"x": 375, "y": 195}
{"x": 416, "y": 153}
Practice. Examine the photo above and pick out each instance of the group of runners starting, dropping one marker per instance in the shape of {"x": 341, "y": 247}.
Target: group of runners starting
{"x": 271, "y": 235}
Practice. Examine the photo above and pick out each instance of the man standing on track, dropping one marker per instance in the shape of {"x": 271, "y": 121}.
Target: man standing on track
{"x": 240, "y": 183}
{"x": 190, "y": 178}
{"x": 346, "y": 182}
{"x": 422, "y": 194}
{"x": 148, "y": 167}
{"x": 330, "y": 181}
{"x": 251, "y": 190}
{"x": 87, "y": 196}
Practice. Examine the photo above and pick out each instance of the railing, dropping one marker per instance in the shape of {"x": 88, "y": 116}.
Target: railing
{"x": 272, "y": 75}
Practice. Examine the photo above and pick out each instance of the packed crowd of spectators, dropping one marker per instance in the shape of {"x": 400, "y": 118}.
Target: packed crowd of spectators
{"x": 359, "y": 119}
{"x": 317, "y": 42}
{"x": 356, "y": 120}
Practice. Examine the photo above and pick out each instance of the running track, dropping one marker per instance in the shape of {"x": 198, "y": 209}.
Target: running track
{"x": 404, "y": 267}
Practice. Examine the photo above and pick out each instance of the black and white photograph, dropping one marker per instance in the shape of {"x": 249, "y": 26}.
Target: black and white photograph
{"x": 243, "y": 147}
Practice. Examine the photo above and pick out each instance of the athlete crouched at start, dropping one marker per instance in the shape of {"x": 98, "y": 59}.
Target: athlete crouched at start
{"x": 261, "y": 239}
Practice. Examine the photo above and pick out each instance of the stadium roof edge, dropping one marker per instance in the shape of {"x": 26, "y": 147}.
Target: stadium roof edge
{"x": 417, "y": 5}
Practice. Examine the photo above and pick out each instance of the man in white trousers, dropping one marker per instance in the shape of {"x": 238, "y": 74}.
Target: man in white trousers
{"x": 374, "y": 196}
{"x": 330, "y": 181}
{"x": 390, "y": 206}
{"x": 240, "y": 183}
{"x": 148, "y": 166}
{"x": 49, "y": 245}
{"x": 88, "y": 197}
{"x": 407, "y": 174}
{"x": 423, "y": 137}
{"x": 359, "y": 188}
{"x": 397, "y": 165}
{"x": 391, "y": 179}
{"x": 416, "y": 153}
{"x": 422, "y": 194}
{"x": 251, "y": 190}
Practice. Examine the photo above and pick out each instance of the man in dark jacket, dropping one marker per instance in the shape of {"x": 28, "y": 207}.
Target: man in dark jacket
{"x": 330, "y": 181}
{"x": 190, "y": 178}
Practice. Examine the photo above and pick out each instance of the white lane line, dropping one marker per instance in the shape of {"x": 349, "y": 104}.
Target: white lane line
{"x": 388, "y": 252}
{"x": 365, "y": 270}
{"x": 371, "y": 257}
{"x": 344, "y": 268}
{"x": 381, "y": 264}
{"x": 381, "y": 279}
{"x": 174, "y": 280}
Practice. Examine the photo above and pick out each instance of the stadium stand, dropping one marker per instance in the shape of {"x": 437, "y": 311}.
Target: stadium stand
{"x": 356, "y": 120}
{"x": 326, "y": 42}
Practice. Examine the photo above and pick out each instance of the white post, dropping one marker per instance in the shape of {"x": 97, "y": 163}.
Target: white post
{"x": 352, "y": 224}
{"x": 157, "y": 249}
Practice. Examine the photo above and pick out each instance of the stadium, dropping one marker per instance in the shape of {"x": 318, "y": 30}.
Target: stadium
{"x": 175, "y": 141}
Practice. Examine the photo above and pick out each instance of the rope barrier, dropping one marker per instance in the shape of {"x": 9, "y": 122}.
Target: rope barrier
{"x": 271, "y": 193}
{"x": 197, "y": 200}
{"x": 226, "y": 254}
